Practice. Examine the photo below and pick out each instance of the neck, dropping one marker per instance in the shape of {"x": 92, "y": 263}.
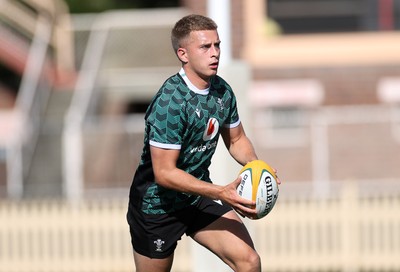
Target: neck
{"x": 196, "y": 80}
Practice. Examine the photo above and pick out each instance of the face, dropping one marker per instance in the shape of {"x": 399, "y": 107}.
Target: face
{"x": 200, "y": 55}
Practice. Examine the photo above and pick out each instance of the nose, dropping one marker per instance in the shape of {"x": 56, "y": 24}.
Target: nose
{"x": 215, "y": 51}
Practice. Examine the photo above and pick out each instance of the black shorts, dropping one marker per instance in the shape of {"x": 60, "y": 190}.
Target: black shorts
{"x": 156, "y": 236}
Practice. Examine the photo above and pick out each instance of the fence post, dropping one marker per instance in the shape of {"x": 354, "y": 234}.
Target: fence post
{"x": 349, "y": 224}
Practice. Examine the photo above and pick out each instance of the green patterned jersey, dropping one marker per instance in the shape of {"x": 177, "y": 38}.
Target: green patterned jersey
{"x": 184, "y": 118}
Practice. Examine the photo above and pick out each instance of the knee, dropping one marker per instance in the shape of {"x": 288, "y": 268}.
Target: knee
{"x": 255, "y": 262}
{"x": 251, "y": 262}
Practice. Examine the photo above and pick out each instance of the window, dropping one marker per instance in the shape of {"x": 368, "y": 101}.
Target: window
{"x": 322, "y": 16}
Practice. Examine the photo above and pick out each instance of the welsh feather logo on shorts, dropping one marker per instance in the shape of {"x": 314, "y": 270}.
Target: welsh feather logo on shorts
{"x": 211, "y": 129}
{"x": 159, "y": 243}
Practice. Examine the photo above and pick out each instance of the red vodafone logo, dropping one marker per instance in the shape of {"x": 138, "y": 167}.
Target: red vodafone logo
{"x": 211, "y": 129}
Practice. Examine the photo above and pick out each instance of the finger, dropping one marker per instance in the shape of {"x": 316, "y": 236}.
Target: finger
{"x": 237, "y": 180}
{"x": 252, "y": 214}
{"x": 240, "y": 213}
{"x": 246, "y": 211}
{"x": 248, "y": 203}
{"x": 276, "y": 175}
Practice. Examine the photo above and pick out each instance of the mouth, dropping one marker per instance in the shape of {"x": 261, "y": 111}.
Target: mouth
{"x": 214, "y": 65}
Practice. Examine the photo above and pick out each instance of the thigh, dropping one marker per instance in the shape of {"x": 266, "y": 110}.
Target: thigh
{"x": 144, "y": 263}
{"x": 228, "y": 238}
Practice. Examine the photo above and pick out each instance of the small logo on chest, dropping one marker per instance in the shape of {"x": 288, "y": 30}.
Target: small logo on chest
{"x": 211, "y": 129}
{"x": 220, "y": 103}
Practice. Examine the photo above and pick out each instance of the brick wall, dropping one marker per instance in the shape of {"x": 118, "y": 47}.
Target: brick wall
{"x": 343, "y": 85}
{"x": 237, "y": 18}
{"x": 195, "y": 6}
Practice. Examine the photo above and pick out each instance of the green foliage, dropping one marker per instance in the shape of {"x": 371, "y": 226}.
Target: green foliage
{"x": 92, "y": 6}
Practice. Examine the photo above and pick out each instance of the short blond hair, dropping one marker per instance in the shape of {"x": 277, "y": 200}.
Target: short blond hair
{"x": 186, "y": 25}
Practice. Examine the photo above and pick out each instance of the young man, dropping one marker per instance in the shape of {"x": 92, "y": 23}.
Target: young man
{"x": 172, "y": 193}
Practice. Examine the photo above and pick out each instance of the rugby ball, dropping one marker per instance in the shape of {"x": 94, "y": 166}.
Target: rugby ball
{"x": 259, "y": 184}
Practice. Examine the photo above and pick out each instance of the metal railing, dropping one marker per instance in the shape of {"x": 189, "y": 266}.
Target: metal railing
{"x": 135, "y": 75}
{"x": 32, "y": 98}
{"x": 43, "y": 24}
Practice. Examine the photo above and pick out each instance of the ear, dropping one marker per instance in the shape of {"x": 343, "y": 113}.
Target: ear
{"x": 182, "y": 55}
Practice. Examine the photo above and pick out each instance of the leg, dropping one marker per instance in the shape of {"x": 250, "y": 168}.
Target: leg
{"x": 228, "y": 238}
{"x": 145, "y": 264}
{"x": 154, "y": 239}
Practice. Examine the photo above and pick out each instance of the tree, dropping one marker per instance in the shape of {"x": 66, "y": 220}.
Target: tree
{"x": 79, "y": 6}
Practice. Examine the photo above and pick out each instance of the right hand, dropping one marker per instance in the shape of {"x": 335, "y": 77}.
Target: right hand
{"x": 243, "y": 206}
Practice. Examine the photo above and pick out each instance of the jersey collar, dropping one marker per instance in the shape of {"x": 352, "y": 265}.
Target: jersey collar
{"x": 191, "y": 86}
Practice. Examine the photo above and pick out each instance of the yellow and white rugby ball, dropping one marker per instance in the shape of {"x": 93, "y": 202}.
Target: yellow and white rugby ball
{"x": 259, "y": 183}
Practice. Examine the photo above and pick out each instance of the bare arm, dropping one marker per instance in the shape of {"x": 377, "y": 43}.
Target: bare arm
{"x": 169, "y": 176}
{"x": 238, "y": 144}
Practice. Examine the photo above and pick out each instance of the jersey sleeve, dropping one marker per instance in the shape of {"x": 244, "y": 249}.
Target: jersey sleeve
{"x": 233, "y": 119}
{"x": 166, "y": 121}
